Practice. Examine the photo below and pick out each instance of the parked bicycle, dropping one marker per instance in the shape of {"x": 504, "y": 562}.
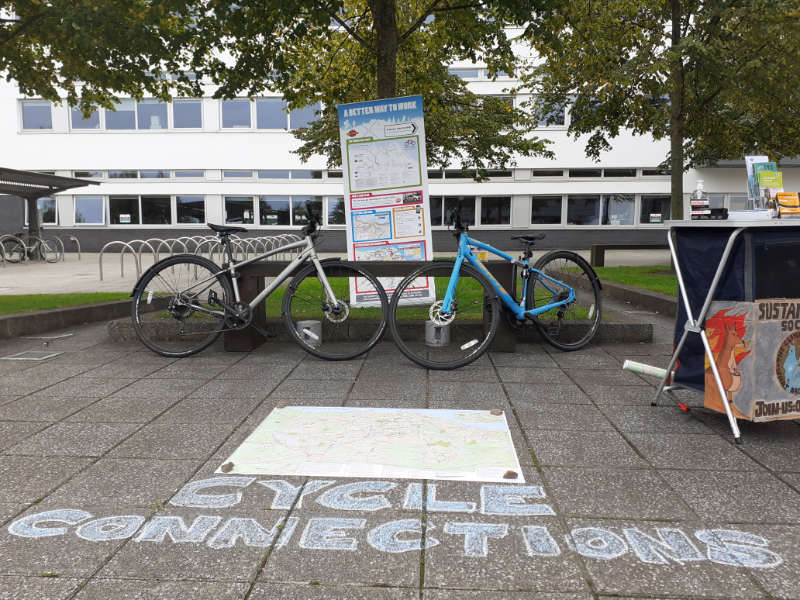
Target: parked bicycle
{"x": 20, "y": 247}
{"x": 560, "y": 295}
{"x": 182, "y": 303}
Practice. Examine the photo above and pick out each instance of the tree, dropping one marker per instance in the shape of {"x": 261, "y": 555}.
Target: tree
{"x": 314, "y": 51}
{"x": 719, "y": 79}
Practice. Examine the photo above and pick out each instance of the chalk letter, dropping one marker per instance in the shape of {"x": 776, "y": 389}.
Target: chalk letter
{"x": 110, "y": 528}
{"x": 384, "y": 537}
{"x": 594, "y": 542}
{"x": 251, "y": 533}
{"x": 413, "y": 500}
{"x": 510, "y": 500}
{"x": 158, "y": 528}
{"x": 476, "y": 536}
{"x": 539, "y": 542}
{"x": 27, "y": 526}
{"x": 738, "y": 548}
{"x": 341, "y": 497}
{"x": 673, "y": 544}
{"x": 285, "y": 492}
{"x": 324, "y": 533}
{"x": 188, "y": 496}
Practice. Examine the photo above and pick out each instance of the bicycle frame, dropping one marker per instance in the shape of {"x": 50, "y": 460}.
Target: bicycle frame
{"x": 465, "y": 245}
{"x": 308, "y": 253}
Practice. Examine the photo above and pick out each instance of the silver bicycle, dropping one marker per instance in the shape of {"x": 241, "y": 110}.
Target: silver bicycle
{"x": 182, "y": 303}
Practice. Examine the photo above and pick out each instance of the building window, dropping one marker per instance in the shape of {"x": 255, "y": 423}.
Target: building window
{"x": 88, "y": 174}
{"x": 152, "y": 114}
{"x": 301, "y": 205}
{"x": 154, "y": 174}
{"x": 553, "y": 118}
{"x": 499, "y": 173}
{"x": 271, "y": 113}
{"x": 239, "y": 210}
{"x": 619, "y": 172}
{"x": 196, "y": 173}
{"x": 437, "y": 174}
{"x": 303, "y": 117}
{"x": 467, "y": 205}
{"x": 656, "y": 172}
{"x": 546, "y": 210}
{"x": 460, "y": 174}
{"x": 585, "y": 172}
{"x": 334, "y": 174}
{"x": 36, "y": 114}
{"x": 48, "y": 215}
{"x": 156, "y": 210}
{"x": 303, "y": 174}
{"x": 496, "y": 210}
{"x": 190, "y": 209}
{"x": 236, "y": 113}
{"x": 237, "y": 174}
{"x": 123, "y": 210}
{"x": 79, "y": 122}
{"x": 123, "y": 174}
{"x": 618, "y": 209}
{"x": 655, "y": 209}
{"x": 187, "y": 114}
{"x": 547, "y": 172}
{"x": 465, "y": 73}
{"x": 124, "y": 117}
{"x": 436, "y": 211}
{"x": 583, "y": 209}
{"x": 336, "y": 210}
{"x": 273, "y": 210}
{"x": 273, "y": 174}
{"x": 89, "y": 210}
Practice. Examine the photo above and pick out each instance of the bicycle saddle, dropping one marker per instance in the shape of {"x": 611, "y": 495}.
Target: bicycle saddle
{"x": 226, "y": 229}
{"x": 529, "y": 239}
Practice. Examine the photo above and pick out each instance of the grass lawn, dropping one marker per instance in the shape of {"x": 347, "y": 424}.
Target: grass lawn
{"x": 655, "y": 278}
{"x": 30, "y": 302}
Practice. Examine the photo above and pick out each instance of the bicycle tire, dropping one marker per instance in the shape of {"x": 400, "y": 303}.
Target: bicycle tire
{"x": 468, "y": 336}
{"x": 167, "y": 334}
{"x": 343, "y": 332}
{"x": 571, "y": 326}
{"x": 14, "y": 249}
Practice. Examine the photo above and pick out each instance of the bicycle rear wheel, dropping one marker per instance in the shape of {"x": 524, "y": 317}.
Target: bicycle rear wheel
{"x": 570, "y": 326}
{"x": 168, "y": 303}
{"x": 437, "y": 341}
{"x": 14, "y": 249}
{"x": 338, "y": 332}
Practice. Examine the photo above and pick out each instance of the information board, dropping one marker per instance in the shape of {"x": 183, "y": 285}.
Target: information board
{"x": 387, "y": 208}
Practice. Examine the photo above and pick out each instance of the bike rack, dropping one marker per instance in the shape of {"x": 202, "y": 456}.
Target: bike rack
{"x": 121, "y": 258}
{"x": 77, "y": 243}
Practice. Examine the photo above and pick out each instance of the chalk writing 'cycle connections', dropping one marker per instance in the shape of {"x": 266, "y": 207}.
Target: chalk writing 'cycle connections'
{"x": 650, "y": 545}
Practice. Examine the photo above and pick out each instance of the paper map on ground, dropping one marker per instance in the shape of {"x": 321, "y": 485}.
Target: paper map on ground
{"x": 466, "y": 445}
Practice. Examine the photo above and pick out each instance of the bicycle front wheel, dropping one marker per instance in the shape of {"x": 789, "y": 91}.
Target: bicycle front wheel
{"x": 337, "y": 329}
{"x": 570, "y": 326}
{"x": 443, "y": 341}
{"x": 14, "y": 249}
{"x": 172, "y": 305}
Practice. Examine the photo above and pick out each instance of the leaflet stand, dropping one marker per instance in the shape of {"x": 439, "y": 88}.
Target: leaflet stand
{"x": 696, "y": 325}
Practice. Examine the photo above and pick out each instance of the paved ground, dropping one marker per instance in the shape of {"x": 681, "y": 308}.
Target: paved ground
{"x": 622, "y": 500}
{"x": 83, "y": 275}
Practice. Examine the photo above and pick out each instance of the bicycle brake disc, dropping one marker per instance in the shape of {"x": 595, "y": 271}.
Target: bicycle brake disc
{"x": 339, "y": 314}
{"x": 438, "y": 317}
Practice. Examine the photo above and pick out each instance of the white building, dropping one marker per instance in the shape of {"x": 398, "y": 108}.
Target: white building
{"x": 167, "y": 169}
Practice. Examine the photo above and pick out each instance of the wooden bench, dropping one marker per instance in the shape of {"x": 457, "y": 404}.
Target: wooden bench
{"x": 597, "y": 257}
{"x": 251, "y": 283}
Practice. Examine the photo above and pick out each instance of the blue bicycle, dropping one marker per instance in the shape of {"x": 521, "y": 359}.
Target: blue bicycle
{"x": 559, "y": 294}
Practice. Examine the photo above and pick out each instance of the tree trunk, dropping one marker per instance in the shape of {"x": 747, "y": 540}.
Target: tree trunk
{"x": 676, "y": 116}
{"x": 386, "y": 40}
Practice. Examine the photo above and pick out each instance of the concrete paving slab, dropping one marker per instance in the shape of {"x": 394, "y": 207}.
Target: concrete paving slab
{"x": 533, "y": 375}
{"x": 7, "y": 399}
{"x": 80, "y": 387}
{"x": 18, "y": 384}
{"x": 450, "y": 390}
{"x": 615, "y": 377}
{"x": 314, "y": 368}
{"x": 601, "y": 493}
{"x": 625, "y": 395}
{"x": 490, "y": 553}
{"x": 667, "y": 450}
{"x": 292, "y": 591}
{"x": 456, "y": 403}
{"x": 584, "y": 449}
{"x": 123, "y": 410}
{"x": 37, "y": 588}
{"x": 781, "y": 580}
{"x": 335, "y": 548}
{"x": 736, "y": 496}
{"x": 522, "y": 394}
{"x": 209, "y": 410}
{"x": 378, "y": 402}
{"x": 266, "y": 373}
{"x": 122, "y": 589}
{"x": 528, "y": 360}
{"x": 200, "y": 370}
{"x": 27, "y": 479}
{"x": 627, "y": 574}
{"x": 568, "y": 417}
{"x": 431, "y": 594}
{"x": 591, "y": 357}
{"x": 74, "y": 439}
{"x": 123, "y": 482}
{"x": 7, "y": 511}
{"x": 12, "y": 432}
{"x": 43, "y": 408}
{"x": 654, "y": 419}
{"x": 162, "y": 388}
{"x": 471, "y": 374}
{"x": 174, "y": 441}
{"x": 388, "y": 390}
{"x": 333, "y": 391}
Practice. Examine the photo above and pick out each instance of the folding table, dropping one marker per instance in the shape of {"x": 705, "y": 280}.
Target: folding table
{"x": 734, "y": 239}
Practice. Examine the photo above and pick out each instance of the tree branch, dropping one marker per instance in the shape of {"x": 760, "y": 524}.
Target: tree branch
{"x": 23, "y": 26}
{"x": 418, "y": 23}
{"x": 352, "y": 32}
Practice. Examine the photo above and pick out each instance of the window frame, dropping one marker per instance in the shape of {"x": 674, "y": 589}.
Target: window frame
{"x": 221, "y": 105}
{"x": 103, "y": 208}
{"x": 21, "y": 109}
{"x": 171, "y": 115}
{"x": 42, "y": 223}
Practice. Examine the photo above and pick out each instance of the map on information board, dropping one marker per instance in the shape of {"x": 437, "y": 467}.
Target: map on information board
{"x": 466, "y": 445}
